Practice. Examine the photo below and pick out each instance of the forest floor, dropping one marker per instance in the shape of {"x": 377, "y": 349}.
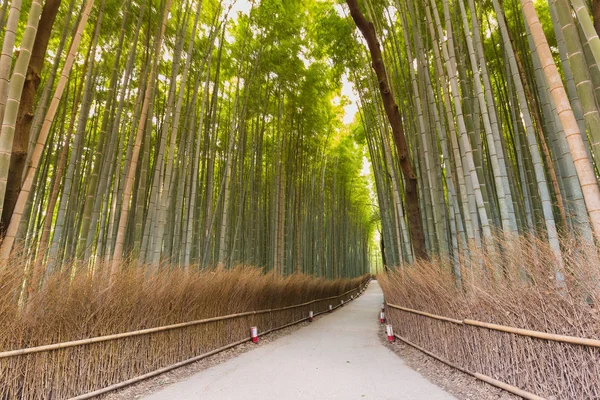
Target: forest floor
{"x": 343, "y": 355}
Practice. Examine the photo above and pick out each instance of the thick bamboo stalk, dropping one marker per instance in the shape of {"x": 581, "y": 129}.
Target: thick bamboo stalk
{"x": 585, "y": 21}
{"x": 21, "y": 145}
{"x": 583, "y": 165}
{"x": 128, "y": 188}
{"x": 473, "y": 188}
{"x": 6, "y": 56}
{"x": 13, "y": 100}
{"x": 501, "y": 181}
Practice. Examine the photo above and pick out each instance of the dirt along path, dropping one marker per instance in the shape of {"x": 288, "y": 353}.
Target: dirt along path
{"x": 339, "y": 356}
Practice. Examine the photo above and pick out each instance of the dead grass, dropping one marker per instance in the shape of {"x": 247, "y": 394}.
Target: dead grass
{"x": 522, "y": 293}
{"x": 83, "y": 305}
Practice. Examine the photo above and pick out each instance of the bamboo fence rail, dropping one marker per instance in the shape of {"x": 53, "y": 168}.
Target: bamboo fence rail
{"x": 509, "y": 388}
{"x": 157, "y": 372}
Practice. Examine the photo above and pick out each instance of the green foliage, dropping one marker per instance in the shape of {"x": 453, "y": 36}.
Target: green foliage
{"x": 261, "y": 112}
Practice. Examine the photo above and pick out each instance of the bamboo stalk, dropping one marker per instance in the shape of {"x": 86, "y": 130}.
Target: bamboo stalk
{"x": 12, "y": 230}
{"x": 583, "y": 165}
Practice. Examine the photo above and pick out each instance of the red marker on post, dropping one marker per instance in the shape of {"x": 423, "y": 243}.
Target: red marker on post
{"x": 382, "y": 317}
{"x": 254, "y": 334}
{"x": 390, "y": 333}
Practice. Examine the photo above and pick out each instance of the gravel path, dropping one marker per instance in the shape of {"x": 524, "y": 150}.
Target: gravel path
{"x": 336, "y": 357}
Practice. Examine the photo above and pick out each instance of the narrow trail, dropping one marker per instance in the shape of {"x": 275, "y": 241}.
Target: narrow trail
{"x": 339, "y": 356}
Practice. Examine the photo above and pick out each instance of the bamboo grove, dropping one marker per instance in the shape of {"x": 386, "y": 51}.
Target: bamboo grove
{"x": 188, "y": 133}
{"x": 499, "y": 103}
{"x": 177, "y": 133}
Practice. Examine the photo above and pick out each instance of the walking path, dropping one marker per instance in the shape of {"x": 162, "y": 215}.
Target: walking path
{"x": 338, "y": 356}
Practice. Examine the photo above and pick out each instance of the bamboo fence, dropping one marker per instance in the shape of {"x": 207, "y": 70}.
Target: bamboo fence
{"x": 524, "y": 361}
{"x": 86, "y": 368}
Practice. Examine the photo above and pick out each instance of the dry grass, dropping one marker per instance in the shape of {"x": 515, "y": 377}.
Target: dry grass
{"x": 523, "y": 293}
{"x": 87, "y": 305}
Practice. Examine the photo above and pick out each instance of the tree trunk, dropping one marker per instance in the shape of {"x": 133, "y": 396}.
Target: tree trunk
{"x": 393, "y": 113}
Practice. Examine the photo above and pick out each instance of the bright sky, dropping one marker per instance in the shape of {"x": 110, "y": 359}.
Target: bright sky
{"x": 350, "y": 109}
{"x": 243, "y": 6}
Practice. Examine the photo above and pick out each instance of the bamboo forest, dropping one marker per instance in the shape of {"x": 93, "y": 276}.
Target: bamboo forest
{"x": 174, "y": 173}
